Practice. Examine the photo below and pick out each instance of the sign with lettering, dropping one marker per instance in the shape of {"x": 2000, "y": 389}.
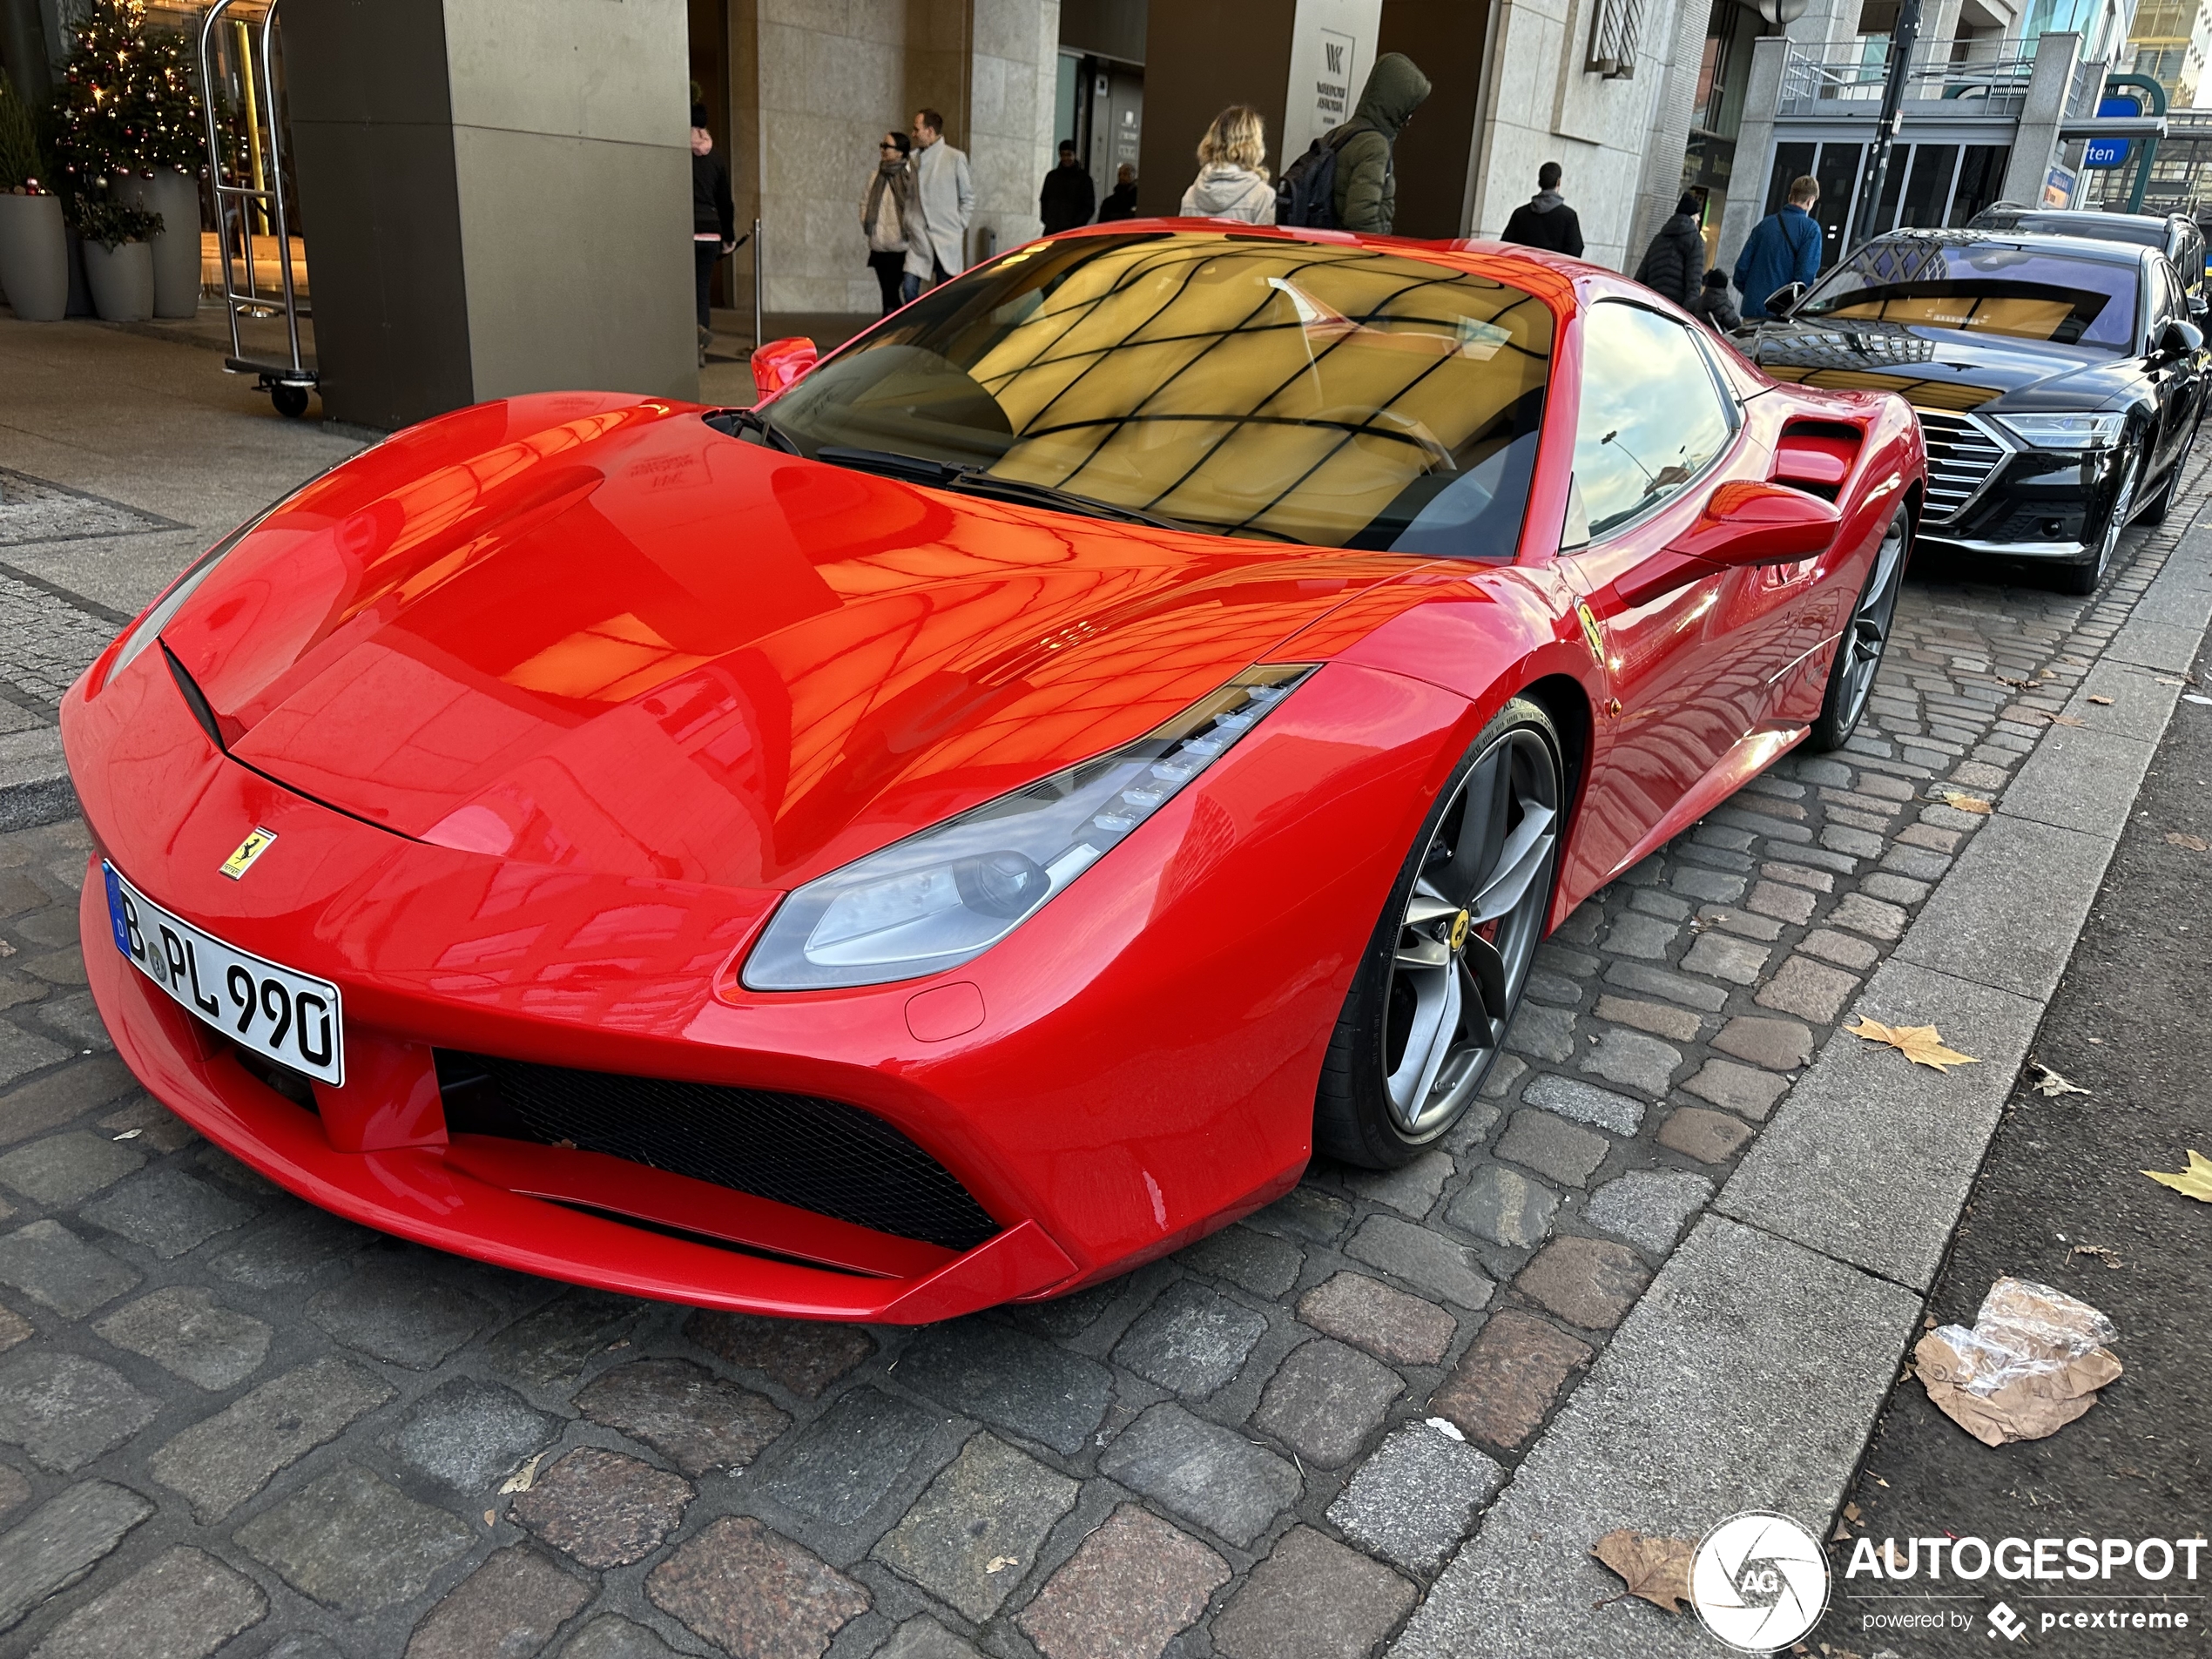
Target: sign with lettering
{"x": 1333, "y": 47}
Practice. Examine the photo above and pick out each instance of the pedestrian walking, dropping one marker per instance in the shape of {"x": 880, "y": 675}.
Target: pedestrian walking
{"x": 1545, "y": 221}
{"x": 1233, "y": 170}
{"x": 714, "y": 220}
{"x": 1363, "y": 193}
{"x": 1069, "y": 196}
{"x": 1675, "y": 263}
{"x": 885, "y": 205}
{"x": 1121, "y": 200}
{"x": 1784, "y": 247}
{"x": 1713, "y": 308}
{"x": 943, "y": 197}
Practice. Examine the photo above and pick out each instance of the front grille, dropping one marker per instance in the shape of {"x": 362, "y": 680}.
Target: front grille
{"x": 1961, "y": 455}
{"x": 812, "y": 1154}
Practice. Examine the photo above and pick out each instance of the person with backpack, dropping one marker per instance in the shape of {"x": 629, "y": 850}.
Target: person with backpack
{"x": 1675, "y": 263}
{"x": 1233, "y": 170}
{"x": 1345, "y": 180}
{"x": 1545, "y": 221}
{"x": 1784, "y": 247}
{"x": 1713, "y": 308}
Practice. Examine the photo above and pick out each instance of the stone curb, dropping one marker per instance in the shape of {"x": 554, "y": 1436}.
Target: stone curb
{"x": 34, "y": 781}
{"x": 1749, "y": 1373}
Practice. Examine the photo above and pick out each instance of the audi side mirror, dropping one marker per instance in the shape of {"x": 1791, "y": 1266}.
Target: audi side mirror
{"x": 2179, "y": 339}
{"x": 2199, "y": 305}
{"x": 1786, "y": 298}
{"x": 1744, "y": 523}
{"x": 781, "y": 362}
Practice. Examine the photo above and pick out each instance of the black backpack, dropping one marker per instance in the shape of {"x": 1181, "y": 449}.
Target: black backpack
{"x": 1307, "y": 194}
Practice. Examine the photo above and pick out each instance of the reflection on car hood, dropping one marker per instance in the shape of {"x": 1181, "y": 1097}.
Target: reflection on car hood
{"x": 585, "y": 630}
{"x": 1936, "y": 368}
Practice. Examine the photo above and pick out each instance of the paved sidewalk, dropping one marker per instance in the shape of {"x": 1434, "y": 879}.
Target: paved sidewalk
{"x": 230, "y": 1420}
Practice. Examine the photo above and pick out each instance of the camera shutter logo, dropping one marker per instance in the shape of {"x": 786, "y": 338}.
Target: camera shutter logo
{"x": 1759, "y": 1582}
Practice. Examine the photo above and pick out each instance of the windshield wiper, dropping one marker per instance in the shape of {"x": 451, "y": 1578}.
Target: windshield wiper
{"x": 774, "y": 436}
{"x": 975, "y": 481}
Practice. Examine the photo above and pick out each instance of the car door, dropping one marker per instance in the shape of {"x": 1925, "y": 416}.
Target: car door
{"x": 1654, "y": 434}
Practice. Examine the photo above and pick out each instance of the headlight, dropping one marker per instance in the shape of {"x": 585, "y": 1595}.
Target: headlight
{"x": 157, "y": 616}
{"x": 953, "y": 891}
{"x": 2070, "y": 430}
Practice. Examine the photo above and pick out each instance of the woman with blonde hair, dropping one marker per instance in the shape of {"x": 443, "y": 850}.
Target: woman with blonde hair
{"x": 1233, "y": 170}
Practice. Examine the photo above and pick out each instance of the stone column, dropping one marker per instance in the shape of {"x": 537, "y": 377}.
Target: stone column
{"x": 1661, "y": 186}
{"x": 2037, "y": 140}
{"x": 1754, "y": 147}
{"x": 497, "y": 199}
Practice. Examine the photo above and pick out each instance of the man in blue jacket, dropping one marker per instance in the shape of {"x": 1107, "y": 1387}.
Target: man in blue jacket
{"x": 1784, "y": 247}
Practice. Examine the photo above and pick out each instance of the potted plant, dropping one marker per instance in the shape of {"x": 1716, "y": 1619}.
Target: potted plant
{"x": 34, "y": 248}
{"x": 119, "y": 266}
{"x": 131, "y": 125}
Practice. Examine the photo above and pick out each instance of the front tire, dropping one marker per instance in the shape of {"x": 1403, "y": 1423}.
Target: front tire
{"x": 2087, "y": 577}
{"x": 1440, "y": 978}
{"x": 1859, "y": 653}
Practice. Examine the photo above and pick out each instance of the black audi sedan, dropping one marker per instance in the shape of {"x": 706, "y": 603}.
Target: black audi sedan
{"x": 2176, "y": 235}
{"x": 2059, "y": 382}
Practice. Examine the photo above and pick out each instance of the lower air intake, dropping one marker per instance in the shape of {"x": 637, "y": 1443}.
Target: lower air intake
{"x": 812, "y": 1154}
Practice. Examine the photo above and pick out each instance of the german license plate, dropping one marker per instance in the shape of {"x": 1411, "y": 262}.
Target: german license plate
{"x": 287, "y": 1016}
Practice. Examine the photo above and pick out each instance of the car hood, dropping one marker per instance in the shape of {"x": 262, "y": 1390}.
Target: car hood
{"x": 1938, "y": 368}
{"x": 596, "y": 632}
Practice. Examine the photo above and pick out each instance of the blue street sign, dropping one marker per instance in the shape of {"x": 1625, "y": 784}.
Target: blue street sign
{"x": 2112, "y": 153}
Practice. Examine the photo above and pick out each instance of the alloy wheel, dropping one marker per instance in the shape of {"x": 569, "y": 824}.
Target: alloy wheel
{"x": 1869, "y": 625}
{"x": 2123, "y": 508}
{"x": 1470, "y": 928}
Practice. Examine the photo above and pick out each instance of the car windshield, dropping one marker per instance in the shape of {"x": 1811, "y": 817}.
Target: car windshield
{"x": 1320, "y": 393}
{"x": 1984, "y": 288}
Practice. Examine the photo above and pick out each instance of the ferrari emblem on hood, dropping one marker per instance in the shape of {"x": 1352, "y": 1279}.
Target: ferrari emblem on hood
{"x": 248, "y": 850}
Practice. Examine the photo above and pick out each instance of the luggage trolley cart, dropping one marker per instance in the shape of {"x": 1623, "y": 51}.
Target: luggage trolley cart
{"x": 258, "y": 193}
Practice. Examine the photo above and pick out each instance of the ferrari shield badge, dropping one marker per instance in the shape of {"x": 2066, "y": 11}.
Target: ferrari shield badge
{"x": 248, "y": 850}
{"x": 1590, "y": 634}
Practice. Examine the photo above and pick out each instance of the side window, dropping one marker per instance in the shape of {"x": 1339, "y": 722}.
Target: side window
{"x": 1651, "y": 416}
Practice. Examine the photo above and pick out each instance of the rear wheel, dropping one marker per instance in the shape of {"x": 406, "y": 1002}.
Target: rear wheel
{"x": 1859, "y": 653}
{"x": 2089, "y": 575}
{"x": 1440, "y": 978}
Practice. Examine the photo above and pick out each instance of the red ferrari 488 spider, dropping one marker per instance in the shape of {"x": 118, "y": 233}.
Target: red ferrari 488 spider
{"x": 986, "y": 815}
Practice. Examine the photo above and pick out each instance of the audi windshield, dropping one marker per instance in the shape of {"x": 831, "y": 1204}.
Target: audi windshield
{"x": 1319, "y": 394}
{"x": 1981, "y": 287}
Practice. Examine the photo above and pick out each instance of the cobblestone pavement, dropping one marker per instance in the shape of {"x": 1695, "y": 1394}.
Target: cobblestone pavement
{"x": 229, "y": 1424}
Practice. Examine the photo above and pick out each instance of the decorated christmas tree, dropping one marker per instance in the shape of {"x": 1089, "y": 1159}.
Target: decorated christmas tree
{"x": 128, "y": 102}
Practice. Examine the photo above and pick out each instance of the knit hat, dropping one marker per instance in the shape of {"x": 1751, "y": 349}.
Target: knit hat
{"x": 1716, "y": 278}
{"x": 1690, "y": 205}
{"x": 699, "y": 115}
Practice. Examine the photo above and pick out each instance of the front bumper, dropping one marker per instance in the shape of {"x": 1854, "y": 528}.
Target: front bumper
{"x": 463, "y": 1196}
{"x": 2050, "y": 508}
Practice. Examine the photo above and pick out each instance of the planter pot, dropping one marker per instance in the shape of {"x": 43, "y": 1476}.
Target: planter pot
{"x": 34, "y": 257}
{"x": 176, "y": 252}
{"x": 121, "y": 280}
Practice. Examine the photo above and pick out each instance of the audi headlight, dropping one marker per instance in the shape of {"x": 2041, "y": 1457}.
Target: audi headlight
{"x": 2071, "y": 430}
{"x": 158, "y": 615}
{"x": 938, "y": 898}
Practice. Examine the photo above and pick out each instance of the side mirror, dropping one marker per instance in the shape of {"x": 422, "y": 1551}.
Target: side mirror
{"x": 780, "y": 363}
{"x": 1744, "y": 523}
{"x": 2179, "y": 339}
{"x": 2199, "y": 305}
{"x": 1786, "y": 298}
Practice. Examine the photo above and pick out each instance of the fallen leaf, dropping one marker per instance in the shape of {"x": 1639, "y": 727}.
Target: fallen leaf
{"x": 1655, "y": 1568}
{"x": 2049, "y": 1082}
{"x": 524, "y": 1478}
{"x": 1918, "y": 1043}
{"x": 1966, "y": 803}
{"x": 2194, "y": 843}
{"x": 999, "y": 1563}
{"x": 1851, "y": 1513}
{"x": 1842, "y": 1534}
{"x": 130, "y": 1135}
{"x": 2104, "y": 1253}
{"x": 490, "y": 1518}
{"x": 2102, "y": 702}
{"x": 2195, "y": 1182}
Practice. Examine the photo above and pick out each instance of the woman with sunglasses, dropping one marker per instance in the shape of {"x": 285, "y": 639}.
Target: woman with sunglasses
{"x": 885, "y": 206}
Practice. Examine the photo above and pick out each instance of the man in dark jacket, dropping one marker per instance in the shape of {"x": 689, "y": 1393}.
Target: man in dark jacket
{"x": 1366, "y": 191}
{"x": 1675, "y": 263}
{"x": 1784, "y": 247}
{"x": 1545, "y": 221}
{"x": 1069, "y": 196}
{"x": 714, "y": 218}
{"x": 1121, "y": 200}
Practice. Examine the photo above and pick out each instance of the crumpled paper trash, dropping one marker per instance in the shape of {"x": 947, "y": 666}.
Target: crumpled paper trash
{"x": 2032, "y": 1364}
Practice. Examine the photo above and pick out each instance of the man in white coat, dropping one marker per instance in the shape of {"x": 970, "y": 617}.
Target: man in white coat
{"x": 944, "y": 195}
